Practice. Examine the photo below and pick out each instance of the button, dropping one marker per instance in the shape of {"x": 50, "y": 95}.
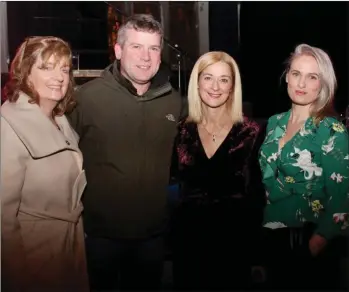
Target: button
{"x": 68, "y": 143}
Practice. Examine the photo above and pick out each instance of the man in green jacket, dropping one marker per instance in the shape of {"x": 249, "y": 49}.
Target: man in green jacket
{"x": 127, "y": 121}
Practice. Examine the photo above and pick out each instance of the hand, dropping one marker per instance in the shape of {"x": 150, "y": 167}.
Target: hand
{"x": 258, "y": 274}
{"x": 316, "y": 244}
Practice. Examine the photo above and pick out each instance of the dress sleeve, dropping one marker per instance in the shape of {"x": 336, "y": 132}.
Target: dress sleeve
{"x": 13, "y": 169}
{"x": 335, "y": 161}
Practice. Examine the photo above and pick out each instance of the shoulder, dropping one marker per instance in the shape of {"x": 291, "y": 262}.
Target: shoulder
{"x": 185, "y": 125}
{"x": 173, "y": 99}
{"x": 10, "y": 140}
{"x": 330, "y": 126}
{"x": 250, "y": 127}
{"x": 273, "y": 120}
{"x": 7, "y": 108}
{"x": 11, "y": 113}
{"x": 89, "y": 89}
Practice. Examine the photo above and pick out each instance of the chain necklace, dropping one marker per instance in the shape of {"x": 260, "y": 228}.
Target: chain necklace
{"x": 214, "y": 136}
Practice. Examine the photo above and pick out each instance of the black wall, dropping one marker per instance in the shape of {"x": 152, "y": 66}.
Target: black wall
{"x": 269, "y": 33}
{"x": 82, "y": 24}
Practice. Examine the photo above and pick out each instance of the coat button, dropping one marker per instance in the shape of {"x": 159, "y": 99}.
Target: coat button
{"x": 68, "y": 143}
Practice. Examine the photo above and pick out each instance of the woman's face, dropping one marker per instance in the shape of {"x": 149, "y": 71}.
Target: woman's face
{"x": 215, "y": 84}
{"x": 303, "y": 80}
{"x": 50, "y": 80}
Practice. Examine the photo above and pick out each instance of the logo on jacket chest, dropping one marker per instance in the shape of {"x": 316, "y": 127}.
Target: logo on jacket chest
{"x": 170, "y": 117}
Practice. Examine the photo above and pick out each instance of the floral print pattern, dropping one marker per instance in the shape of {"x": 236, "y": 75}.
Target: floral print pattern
{"x": 307, "y": 180}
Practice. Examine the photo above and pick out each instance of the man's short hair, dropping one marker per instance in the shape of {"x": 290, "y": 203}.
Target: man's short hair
{"x": 139, "y": 22}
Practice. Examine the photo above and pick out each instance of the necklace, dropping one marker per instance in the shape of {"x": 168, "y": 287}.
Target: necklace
{"x": 214, "y": 136}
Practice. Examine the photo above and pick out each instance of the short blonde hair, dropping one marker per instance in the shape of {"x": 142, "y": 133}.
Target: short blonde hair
{"x": 28, "y": 53}
{"x": 194, "y": 99}
{"x": 323, "y": 106}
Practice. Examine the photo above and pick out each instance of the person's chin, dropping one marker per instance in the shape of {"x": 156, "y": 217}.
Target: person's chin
{"x": 56, "y": 98}
{"x": 300, "y": 102}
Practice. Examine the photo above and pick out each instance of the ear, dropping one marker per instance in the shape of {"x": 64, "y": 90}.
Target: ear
{"x": 286, "y": 77}
{"x": 118, "y": 51}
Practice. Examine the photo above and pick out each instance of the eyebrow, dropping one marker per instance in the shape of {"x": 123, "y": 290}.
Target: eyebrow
{"x": 152, "y": 46}
{"x": 219, "y": 76}
{"x": 311, "y": 73}
{"x": 54, "y": 64}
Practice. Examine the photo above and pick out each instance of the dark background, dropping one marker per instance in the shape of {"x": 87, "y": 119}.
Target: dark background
{"x": 269, "y": 31}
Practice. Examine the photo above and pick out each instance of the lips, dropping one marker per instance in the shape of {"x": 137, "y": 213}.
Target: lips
{"x": 143, "y": 67}
{"x": 214, "y": 95}
{"x": 300, "y": 92}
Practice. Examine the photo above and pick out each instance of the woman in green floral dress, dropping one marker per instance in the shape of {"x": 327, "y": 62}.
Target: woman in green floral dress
{"x": 305, "y": 164}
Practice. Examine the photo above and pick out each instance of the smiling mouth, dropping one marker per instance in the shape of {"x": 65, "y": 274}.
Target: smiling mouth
{"x": 55, "y": 87}
{"x": 143, "y": 67}
{"x": 214, "y": 95}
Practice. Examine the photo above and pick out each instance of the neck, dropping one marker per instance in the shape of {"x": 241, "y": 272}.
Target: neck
{"x": 47, "y": 107}
{"x": 215, "y": 116}
{"x": 141, "y": 88}
{"x": 299, "y": 113}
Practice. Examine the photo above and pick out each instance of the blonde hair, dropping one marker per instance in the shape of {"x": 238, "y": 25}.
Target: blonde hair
{"x": 323, "y": 106}
{"x": 235, "y": 98}
{"x": 28, "y": 53}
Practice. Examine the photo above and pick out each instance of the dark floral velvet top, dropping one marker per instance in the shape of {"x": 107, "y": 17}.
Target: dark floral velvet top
{"x": 232, "y": 172}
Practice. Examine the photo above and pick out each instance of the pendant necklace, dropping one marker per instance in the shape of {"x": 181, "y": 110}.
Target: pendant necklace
{"x": 214, "y": 136}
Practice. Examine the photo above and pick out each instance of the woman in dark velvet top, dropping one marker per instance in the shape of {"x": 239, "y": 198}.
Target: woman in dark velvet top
{"x": 216, "y": 222}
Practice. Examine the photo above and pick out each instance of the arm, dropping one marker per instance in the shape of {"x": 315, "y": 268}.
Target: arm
{"x": 335, "y": 165}
{"x": 174, "y": 172}
{"x": 13, "y": 168}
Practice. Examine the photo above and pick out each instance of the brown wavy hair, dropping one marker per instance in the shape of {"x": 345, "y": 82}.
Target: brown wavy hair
{"x": 27, "y": 54}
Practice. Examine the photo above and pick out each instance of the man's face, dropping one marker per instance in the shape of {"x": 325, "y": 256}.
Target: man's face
{"x": 140, "y": 56}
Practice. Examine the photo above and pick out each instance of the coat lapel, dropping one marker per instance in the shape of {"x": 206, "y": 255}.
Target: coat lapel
{"x": 35, "y": 130}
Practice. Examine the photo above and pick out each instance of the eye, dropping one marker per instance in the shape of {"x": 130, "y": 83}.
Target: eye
{"x": 313, "y": 77}
{"x": 225, "y": 80}
{"x": 46, "y": 67}
{"x": 136, "y": 46}
{"x": 295, "y": 74}
{"x": 207, "y": 78}
{"x": 66, "y": 70}
{"x": 155, "y": 49}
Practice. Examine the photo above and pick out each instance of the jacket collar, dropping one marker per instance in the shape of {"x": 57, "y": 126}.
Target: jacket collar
{"x": 35, "y": 130}
{"x": 281, "y": 124}
{"x": 159, "y": 84}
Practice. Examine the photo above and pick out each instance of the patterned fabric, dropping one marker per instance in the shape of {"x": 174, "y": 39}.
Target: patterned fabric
{"x": 227, "y": 172}
{"x": 308, "y": 179}
{"x": 232, "y": 171}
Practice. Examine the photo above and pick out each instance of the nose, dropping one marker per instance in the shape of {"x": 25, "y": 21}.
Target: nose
{"x": 301, "y": 82}
{"x": 214, "y": 84}
{"x": 145, "y": 56}
{"x": 58, "y": 74}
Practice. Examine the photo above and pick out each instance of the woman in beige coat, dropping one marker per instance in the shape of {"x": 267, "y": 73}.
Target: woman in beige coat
{"x": 42, "y": 179}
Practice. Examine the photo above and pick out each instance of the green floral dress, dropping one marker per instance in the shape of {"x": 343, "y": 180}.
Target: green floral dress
{"x": 308, "y": 179}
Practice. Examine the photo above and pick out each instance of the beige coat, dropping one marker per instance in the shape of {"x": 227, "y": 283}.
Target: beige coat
{"x": 41, "y": 184}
